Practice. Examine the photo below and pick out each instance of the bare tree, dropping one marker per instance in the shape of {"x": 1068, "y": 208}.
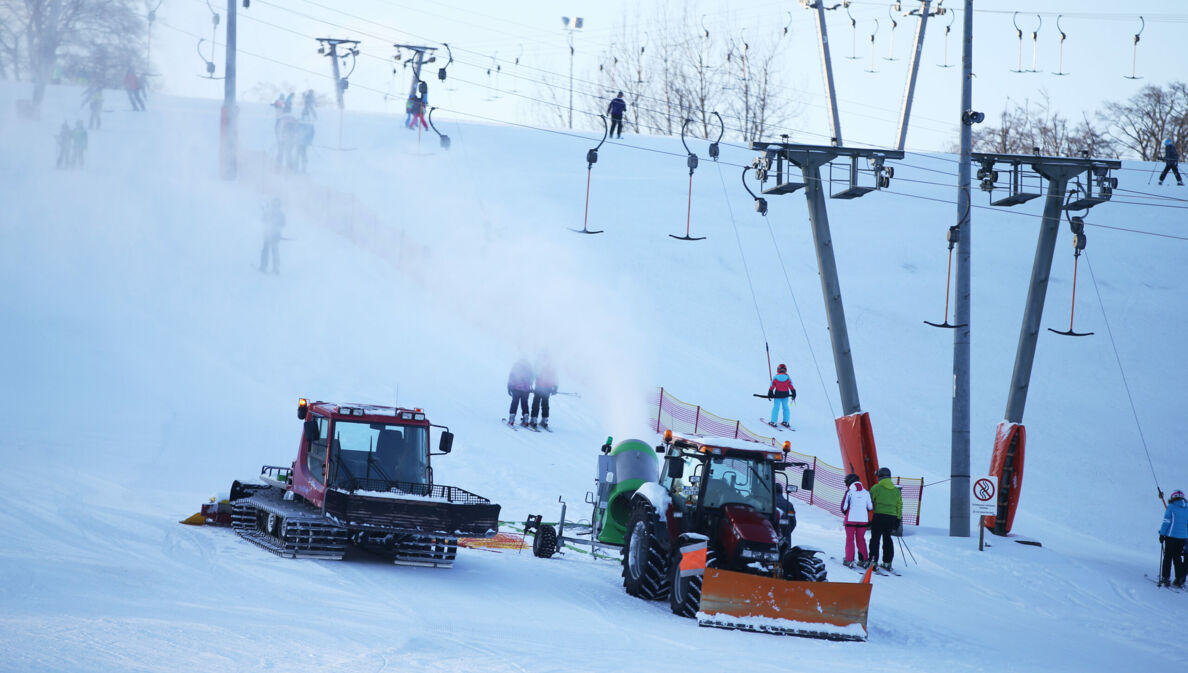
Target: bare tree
{"x": 1153, "y": 114}
{"x": 1037, "y": 127}
{"x": 70, "y": 38}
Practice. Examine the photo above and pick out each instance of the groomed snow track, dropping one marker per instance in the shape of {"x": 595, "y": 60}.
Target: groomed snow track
{"x": 287, "y": 528}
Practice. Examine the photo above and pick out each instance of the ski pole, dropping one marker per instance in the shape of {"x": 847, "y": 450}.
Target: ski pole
{"x": 903, "y": 546}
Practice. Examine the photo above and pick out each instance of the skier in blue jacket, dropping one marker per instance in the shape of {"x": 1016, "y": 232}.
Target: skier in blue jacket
{"x": 616, "y": 109}
{"x": 1170, "y": 160}
{"x": 1172, "y": 535}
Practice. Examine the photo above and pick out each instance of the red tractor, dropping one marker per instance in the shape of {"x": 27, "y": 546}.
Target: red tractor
{"x": 362, "y": 476}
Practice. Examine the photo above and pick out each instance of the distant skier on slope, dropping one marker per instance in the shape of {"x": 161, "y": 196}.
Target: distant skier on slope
{"x": 546, "y": 385}
{"x": 1172, "y": 536}
{"x": 888, "y": 516}
{"x": 615, "y": 109}
{"x": 856, "y": 507}
{"x": 519, "y": 382}
{"x": 780, "y": 391}
{"x": 274, "y": 221}
{"x": 1171, "y": 159}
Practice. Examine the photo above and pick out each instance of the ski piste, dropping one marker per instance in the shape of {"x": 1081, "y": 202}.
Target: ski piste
{"x": 777, "y": 426}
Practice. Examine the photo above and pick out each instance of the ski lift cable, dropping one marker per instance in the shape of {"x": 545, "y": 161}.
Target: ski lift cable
{"x": 1121, "y": 370}
{"x": 322, "y": 75}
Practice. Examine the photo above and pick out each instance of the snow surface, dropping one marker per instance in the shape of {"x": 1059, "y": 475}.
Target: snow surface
{"x": 147, "y": 365}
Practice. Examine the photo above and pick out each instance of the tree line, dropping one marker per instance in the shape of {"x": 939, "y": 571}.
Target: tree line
{"x": 1134, "y": 128}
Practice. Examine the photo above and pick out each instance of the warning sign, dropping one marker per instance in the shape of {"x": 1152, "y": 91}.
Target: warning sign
{"x": 985, "y": 496}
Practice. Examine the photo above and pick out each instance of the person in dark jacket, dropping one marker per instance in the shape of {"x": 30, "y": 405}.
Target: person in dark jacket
{"x": 780, "y": 391}
{"x": 1172, "y": 535}
{"x": 546, "y": 385}
{"x": 1171, "y": 159}
{"x": 519, "y": 383}
{"x": 616, "y": 109}
{"x": 888, "y": 514}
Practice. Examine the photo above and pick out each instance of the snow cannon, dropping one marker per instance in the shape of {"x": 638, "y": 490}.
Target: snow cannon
{"x": 621, "y": 471}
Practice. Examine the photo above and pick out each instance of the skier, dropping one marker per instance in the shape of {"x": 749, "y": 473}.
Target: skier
{"x": 304, "y": 138}
{"x": 856, "y": 507}
{"x": 1172, "y": 535}
{"x": 274, "y": 221}
{"x": 546, "y": 385}
{"x": 134, "y": 87}
{"x": 888, "y": 513}
{"x": 615, "y": 109}
{"x": 519, "y": 382}
{"x": 309, "y": 106}
{"x": 409, "y": 106}
{"x": 93, "y": 98}
{"x": 79, "y": 141}
{"x": 65, "y": 140}
{"x": 780, "y": 391}
{"x": 419, "y": 111}
{"x": 289, "y": 103}
{"x": 1170, "y": 159}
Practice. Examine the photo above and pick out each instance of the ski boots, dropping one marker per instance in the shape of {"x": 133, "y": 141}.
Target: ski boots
{"x": 544, "y": 423}
{"x": 1163, "y": 582}
{"x": 532, "y": 423}
{"x": 885, "y": 566}
{"x": 785, "y": 424}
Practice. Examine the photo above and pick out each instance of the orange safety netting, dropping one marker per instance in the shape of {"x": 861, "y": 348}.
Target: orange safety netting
{"x": 829, "y": 485}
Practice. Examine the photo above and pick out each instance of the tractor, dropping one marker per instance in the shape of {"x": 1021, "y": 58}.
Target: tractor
{"x": 711, "y": 533}
{"x": 362, "y": 477}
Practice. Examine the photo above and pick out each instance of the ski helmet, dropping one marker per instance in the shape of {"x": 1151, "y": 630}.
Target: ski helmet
{"x": 1168, "y": 142}
{"x": 1176, "y": 495}
{"x": 783, "y": 369}
{"x": 851, "y": 478}
{"x": 884, "y": 472}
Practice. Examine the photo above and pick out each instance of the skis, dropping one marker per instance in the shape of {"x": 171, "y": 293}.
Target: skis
{"x": 1156, "y": 582}
{"x": 514, "y": 426}
{"x": 880, "y": 570}
{"x": 777, "y": 426}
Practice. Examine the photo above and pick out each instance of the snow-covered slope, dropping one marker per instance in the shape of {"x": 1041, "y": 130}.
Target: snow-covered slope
{"x": 147, "y": 364}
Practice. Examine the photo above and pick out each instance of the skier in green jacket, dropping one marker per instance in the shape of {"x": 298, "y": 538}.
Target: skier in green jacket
{"x": 888, "y": 515}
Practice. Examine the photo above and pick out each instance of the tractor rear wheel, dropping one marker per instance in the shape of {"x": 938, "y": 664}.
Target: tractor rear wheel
{"x": 645, "y": 565}
{"x": 544, "y": 543}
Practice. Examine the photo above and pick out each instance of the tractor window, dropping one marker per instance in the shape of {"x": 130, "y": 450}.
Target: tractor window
{"x": 734, "y": 480}
{"x": 372, "y": 455}
{"x": 316, "y": 453}
{"x": 685, "y": 490}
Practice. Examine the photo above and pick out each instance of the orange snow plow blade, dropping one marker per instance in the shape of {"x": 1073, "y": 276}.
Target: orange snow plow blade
{"x": 830, "y": 610}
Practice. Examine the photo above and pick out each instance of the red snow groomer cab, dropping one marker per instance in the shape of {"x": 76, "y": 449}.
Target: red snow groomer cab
{"x": 362, "y": 476}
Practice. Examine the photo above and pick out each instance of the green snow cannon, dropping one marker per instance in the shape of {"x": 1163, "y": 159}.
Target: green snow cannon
{"x": 621, "y": 472}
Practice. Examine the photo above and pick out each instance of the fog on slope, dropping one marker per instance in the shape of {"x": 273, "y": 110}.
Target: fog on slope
{"x": 150, "y": 364}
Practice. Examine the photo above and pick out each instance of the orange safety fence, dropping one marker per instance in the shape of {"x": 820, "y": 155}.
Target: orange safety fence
{"x": 829, "y": 483}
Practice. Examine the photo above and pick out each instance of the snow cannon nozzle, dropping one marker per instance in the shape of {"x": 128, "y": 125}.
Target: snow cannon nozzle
{"x": 606, "y": 448}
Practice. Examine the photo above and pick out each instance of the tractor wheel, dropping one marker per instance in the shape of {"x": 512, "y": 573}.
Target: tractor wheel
{"x": 803, "y": 566}
{"x": 685, "y": 595}
{"x": 544, "y": 543}
{"x": 645, "y": 565}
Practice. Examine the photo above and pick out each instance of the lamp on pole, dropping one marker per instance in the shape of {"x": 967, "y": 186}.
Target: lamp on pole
{"x": 577, "y": 24}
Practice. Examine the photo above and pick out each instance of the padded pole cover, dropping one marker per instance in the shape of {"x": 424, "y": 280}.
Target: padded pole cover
{"x": 856, "y": 438}
{"x": 1006, "y": 463}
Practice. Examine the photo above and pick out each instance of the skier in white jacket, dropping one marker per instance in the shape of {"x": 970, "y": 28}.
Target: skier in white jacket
{"x": 856, "y": 507}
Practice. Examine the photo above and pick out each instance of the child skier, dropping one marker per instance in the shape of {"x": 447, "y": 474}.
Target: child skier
{"x": 519, "y": 382}
{"x": 780, "y": 391}
{"x": 856, "y": 507}
{"x": 1172, "y": 535}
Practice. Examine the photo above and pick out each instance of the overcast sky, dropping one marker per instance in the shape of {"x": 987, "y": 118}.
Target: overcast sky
{"x": 278, "y": 46}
